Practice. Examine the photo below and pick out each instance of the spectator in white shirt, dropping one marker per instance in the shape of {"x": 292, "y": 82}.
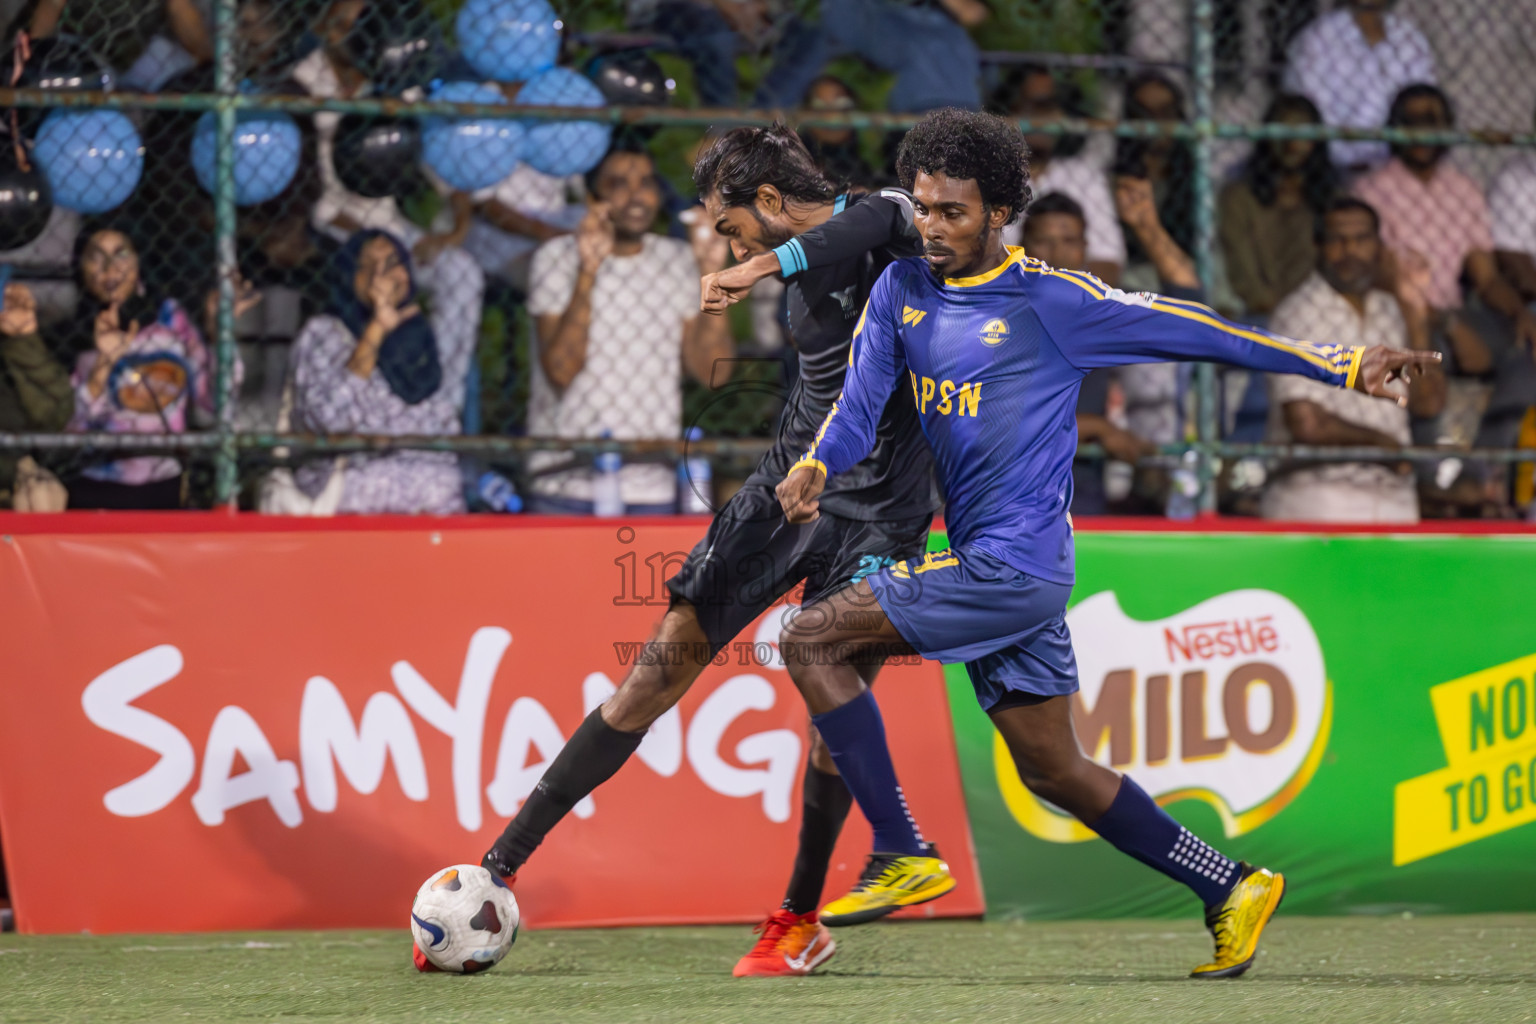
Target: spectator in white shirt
{"x": 1052, "y": 169}
{"x": 616, "y": 311}
{"x": 1341, "y": 304}
{"x": 1351, "y": 63}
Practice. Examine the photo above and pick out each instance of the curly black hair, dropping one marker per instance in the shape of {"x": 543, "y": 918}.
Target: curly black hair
{"x": 967, "y": 144}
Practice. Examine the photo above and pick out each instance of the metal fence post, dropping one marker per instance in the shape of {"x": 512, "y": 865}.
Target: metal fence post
{"x": 1203, "y": 89}
{"x": 226, "y": 477}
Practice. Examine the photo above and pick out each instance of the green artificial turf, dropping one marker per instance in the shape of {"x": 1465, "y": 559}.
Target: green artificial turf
{"x": 1310, "y": 970}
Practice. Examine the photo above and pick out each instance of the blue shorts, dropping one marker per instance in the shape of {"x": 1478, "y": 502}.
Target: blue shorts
{"x": 967, "y": 606}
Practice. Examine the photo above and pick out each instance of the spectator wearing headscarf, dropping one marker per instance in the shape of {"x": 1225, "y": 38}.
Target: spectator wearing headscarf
{"x": 375, "y": 364}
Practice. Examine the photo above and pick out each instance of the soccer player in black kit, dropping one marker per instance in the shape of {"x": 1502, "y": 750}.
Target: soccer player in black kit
{"x": 763, "y": 191}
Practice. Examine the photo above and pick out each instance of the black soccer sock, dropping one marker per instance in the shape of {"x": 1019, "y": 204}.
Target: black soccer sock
{"x": 824, "y": 807}
{"x": 596, "y": 750}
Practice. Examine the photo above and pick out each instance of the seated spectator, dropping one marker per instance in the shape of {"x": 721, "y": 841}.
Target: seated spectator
{"x": 616, "y": 309}
{"x": 142, "y": 368}
{"x": 1265, "y": 218}
{"x": 1167, "y": 164}
{"x": 926, "y": 46}
{"x": 1051, "y": 170}
{"x": 1512, "y": 213}
{"x": 375, "y": 364}
{"x": 1351, "y": 63}
{"x": 1432, "y": 212}
{"x": 1154, "y": 392}
{"x": 1341, "y": 304}
{"x": 1056, "y": 231}
{"x": 836, "y": 150}
{"x": 35, "y": 396}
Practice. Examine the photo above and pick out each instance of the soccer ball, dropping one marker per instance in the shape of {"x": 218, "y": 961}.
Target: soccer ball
{"x": 464, "y": 919}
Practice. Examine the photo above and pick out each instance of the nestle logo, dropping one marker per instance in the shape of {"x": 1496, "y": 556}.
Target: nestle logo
{"x": 1207, "y": 640}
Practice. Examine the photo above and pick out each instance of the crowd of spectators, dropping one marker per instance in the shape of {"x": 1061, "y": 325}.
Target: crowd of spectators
{"x": 363, "y": 313}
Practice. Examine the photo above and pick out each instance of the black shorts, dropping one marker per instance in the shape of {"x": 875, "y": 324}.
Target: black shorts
{"x": 752, "y": 556}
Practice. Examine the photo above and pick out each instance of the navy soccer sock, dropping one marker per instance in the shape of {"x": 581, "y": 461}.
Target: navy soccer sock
{"x": 1135, "y": 825}
{"x": 855, "y": 734}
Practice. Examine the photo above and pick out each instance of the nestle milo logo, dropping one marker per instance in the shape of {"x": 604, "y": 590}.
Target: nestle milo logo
{"x": 1226, "y": 702}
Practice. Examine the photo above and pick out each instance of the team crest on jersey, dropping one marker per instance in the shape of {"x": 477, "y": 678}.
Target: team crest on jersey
{"x": 994, "y": 332}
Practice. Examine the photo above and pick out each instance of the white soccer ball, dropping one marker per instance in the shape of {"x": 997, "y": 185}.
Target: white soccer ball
{"x": 465, "y": 919}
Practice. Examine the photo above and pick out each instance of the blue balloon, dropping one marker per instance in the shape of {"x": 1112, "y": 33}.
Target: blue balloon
{"x": 471, "y": 153}
{"x": 509, "y": 40}
{"x": 92, "y": 158}
{"x": 267, "y": 149}
{"x": 564, "y": 147}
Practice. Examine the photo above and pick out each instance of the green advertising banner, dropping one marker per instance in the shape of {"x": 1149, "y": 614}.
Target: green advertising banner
{"x": 1358, "y": 712}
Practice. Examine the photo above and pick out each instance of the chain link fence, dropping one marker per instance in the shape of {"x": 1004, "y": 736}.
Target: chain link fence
{"x": 318, "y": 256}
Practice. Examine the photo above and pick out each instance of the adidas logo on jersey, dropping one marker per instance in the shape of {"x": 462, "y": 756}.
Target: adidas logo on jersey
{"x": 912, "y": 316}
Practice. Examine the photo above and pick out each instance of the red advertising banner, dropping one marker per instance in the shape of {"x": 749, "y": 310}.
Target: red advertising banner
{"x": 249, "y": 728}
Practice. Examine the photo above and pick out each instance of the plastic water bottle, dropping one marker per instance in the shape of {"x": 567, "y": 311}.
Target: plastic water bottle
{"x": 498, "y": 493}
{"x": 607, "y": 492}
{"x": 695, "y": 482}
{"x": 1184, "y": 487}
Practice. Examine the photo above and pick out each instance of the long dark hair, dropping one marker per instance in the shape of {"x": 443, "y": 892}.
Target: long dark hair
{"x": 1177, "y": 210}
{"x": 735, "y": 164}
{"x": 1319, "y": 181}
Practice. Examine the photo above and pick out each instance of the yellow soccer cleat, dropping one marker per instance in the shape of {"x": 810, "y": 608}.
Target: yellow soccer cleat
{"x": 889, "y": 883}
{"x": 1238, "y": 923}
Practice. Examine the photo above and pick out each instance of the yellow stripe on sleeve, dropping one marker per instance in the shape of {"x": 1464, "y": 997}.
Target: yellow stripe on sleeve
{"x": 1356, "y": 354}
{"x": 1315, "y": 354}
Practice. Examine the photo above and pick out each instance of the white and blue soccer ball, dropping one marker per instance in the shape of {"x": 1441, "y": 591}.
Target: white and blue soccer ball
{"x": 464, "y": 919}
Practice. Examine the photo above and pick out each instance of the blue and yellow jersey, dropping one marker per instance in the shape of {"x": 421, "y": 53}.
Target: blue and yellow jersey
{"x": 994, "y": 363}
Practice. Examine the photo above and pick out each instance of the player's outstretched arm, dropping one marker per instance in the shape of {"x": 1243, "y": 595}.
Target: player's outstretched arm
{"x": 1381, "y": 366}
{"x": 880, "y": 220}
{"x": 1095, "y": 326}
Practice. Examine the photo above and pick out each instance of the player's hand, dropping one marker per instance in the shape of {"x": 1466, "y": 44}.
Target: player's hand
{"x": 719, "y": 291}
{"x": 799, "y": 494}
{"x": 1381, "y": 366}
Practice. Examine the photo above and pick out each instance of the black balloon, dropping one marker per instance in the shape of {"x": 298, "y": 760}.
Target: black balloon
{"x": 25, "y": 201}
{"x": 61, "y": 63}
{"x": 64, "y": 64}
{"x": 377, "y": 156}
{"x": 398, "y": 46}
{"x": 631, "y": 79}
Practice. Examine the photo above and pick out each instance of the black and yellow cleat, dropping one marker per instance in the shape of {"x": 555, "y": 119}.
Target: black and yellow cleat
{"x": 889, "y": 882}
{"x": 1237, "y": 923}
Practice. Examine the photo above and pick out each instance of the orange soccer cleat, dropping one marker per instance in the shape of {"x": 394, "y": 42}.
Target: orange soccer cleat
{"x": 419, "y": 958}
{"x": 788, "y": 944}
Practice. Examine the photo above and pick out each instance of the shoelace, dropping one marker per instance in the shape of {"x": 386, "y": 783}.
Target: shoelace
{"x": 879, "y": 867}
{"x": 772, "y": 930}
{"x": 1222, "y": 929}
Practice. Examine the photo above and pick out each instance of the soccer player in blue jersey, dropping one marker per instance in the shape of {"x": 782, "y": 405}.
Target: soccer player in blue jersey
{"x": 993, "y": 346}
